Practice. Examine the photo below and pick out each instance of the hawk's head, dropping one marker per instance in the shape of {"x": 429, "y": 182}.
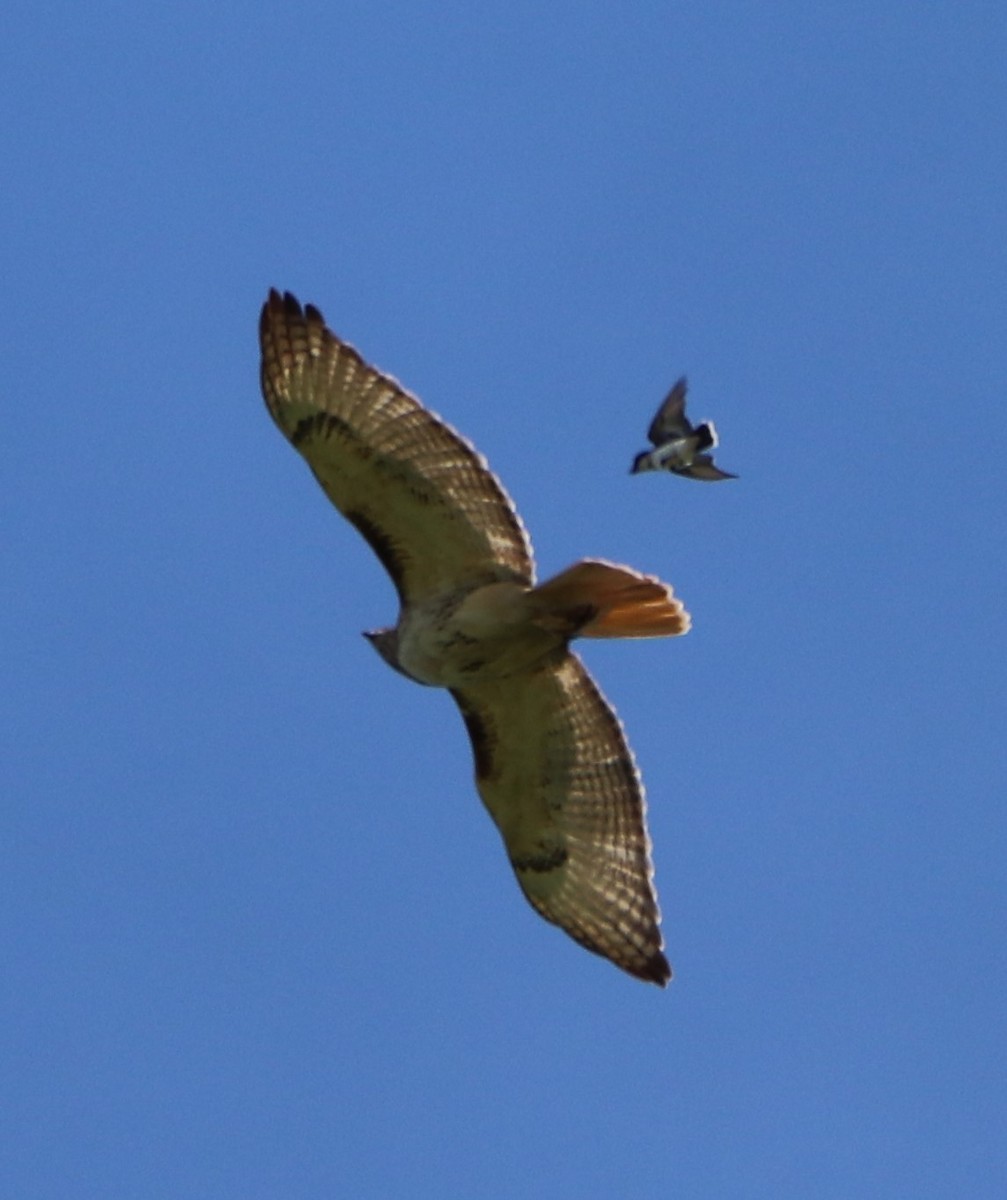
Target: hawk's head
{"x": 386, "y": 642}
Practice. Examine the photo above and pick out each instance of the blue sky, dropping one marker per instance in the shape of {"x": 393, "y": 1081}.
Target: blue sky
{"x": 259, "y": 938}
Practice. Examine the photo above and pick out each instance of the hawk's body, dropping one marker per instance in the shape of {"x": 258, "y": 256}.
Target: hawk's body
{"x": 552, "y": 765}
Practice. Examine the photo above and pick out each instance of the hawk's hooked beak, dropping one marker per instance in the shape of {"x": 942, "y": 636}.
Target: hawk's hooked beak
{"x": 386, "y": 642}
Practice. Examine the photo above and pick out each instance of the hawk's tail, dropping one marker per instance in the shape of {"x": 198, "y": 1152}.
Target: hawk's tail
{"x": 599, "y": 599}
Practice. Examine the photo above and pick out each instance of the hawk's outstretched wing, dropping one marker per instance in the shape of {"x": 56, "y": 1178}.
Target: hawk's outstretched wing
{"x": 434, "y": 513}
{"x": 554, "y": 769}
{"x": 552, "y": 764}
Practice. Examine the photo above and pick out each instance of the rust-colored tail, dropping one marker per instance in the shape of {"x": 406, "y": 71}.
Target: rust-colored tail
{"x": 599, "y": 599}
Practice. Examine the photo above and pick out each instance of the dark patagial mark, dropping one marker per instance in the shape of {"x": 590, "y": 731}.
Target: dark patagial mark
{"x": 479, "y": 736}
{"x": 382, "y": 545}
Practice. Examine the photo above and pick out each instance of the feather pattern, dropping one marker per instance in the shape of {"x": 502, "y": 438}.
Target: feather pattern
{"x": 555, "y": 772}
{"x": 423, "y": 497}
{"x": 552, "y": 763}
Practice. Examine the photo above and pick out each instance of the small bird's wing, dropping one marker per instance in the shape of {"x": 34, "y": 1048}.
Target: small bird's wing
{"x": 670, "y": 421}
{"x": 554, "y": 769}
{"x": 703, "y": 467}
{"x": 425, "y": 499}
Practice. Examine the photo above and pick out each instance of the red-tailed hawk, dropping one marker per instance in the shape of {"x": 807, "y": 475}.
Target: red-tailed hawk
{"x": 551, "y": 762}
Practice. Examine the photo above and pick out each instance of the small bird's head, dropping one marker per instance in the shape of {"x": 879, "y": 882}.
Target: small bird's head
{"x": 642, "y": 462}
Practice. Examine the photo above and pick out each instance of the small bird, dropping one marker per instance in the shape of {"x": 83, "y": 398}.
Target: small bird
{"x": 679, "y": 445}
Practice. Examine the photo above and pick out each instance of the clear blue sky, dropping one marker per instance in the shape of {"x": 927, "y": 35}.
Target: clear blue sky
{"x": 259, "y": 939}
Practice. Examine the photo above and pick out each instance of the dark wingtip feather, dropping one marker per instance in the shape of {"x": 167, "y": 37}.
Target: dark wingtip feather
{"x": 655, "y": 970}
{"x": 287, "y": 304}
{"x": 276, "y": 304}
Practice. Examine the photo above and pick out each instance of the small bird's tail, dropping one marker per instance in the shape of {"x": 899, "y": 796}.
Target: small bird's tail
{"x": 599, "y": 599}
{"x": 706, "y": 436}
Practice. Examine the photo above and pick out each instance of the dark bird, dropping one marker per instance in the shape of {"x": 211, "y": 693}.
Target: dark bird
{"x": 680, "y": 446}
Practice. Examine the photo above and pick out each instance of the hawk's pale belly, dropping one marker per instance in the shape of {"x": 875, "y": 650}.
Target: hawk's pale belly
{"x": 465, "y": 638}
{"x": 551, "y": 760}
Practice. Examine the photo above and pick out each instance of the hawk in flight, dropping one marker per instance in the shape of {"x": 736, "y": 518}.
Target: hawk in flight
{"x": 678, "y": 444}
{"x": 551, "y": 763}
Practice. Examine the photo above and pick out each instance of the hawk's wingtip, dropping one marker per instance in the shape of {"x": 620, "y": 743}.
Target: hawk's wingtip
{"x": 276, "y": 304}
{"x": 656, "y": 969}
{"x": 286, "y": 301}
